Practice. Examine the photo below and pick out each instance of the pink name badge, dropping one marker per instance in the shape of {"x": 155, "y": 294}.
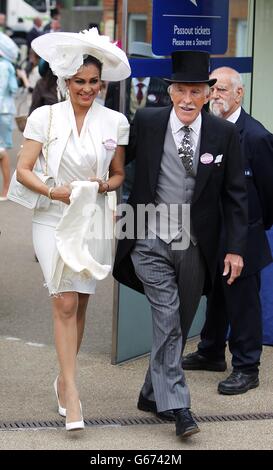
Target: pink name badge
{"x": 110, "y": 144}
{"x": 206, "y": 158}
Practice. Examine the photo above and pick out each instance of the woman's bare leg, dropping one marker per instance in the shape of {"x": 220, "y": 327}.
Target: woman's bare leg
{"x": 81, "y": 314}
{"x": 65, "y": 309}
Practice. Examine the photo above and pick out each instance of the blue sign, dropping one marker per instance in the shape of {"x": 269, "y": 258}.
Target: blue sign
{"x": 190, "y": 25}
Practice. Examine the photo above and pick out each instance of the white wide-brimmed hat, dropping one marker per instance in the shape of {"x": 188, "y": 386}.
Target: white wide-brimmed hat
{"x": 64, "y": 52}
{"x": 8, "y": 48}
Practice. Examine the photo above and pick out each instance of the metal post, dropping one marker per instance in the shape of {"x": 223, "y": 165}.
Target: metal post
{"x": 122, "y": 107}
{"x": 115, "y": 18}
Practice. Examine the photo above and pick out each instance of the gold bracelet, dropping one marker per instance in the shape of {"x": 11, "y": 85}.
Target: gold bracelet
{"x": 50, "y": 193}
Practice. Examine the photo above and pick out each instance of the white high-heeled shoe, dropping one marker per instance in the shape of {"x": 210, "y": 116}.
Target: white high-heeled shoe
{"x": 61, "y": 410}
{"x": 75, "y": 425}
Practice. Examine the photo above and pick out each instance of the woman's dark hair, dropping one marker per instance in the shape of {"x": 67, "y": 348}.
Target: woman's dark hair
{"x": 46, "y": 73}
{"x": 43, "y": 67}
{"x": 50, "y": 80}
{"x": 88, "y": 60}
{"x": 54, "y": 12}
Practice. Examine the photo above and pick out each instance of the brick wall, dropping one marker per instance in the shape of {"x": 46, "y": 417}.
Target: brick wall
{"x": 134, "y": 7}
{"x": 237, "y": 11}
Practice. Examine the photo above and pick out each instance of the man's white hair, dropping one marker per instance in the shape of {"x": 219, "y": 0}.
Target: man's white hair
{"x": 237, "y": 80}
{"x": 235, "y": 77}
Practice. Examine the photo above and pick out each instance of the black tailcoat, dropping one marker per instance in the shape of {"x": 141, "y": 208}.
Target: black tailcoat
{"x": 219, "y": 186}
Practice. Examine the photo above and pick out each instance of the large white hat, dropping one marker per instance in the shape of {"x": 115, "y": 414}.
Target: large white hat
{"x": 64, "y": 53}
{"x": 8, "y": 48}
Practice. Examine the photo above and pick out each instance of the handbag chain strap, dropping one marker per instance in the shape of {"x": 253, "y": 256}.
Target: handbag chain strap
{"x": 48, "y": 140}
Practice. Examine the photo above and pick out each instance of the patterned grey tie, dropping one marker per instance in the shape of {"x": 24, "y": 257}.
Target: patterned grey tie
{"x": 185, "y": 151}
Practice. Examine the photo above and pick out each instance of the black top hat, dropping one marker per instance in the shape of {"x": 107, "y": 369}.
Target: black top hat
{"x": 190, "y": 67}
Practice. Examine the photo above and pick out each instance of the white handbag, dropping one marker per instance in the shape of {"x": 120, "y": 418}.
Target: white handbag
{"x": 26, "y": 197}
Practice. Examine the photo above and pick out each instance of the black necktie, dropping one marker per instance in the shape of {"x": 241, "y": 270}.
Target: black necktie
{"x": 185, "y": 150}
{"x": 139, "y": 95}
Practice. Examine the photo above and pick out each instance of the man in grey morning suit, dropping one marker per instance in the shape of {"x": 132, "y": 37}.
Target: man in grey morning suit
{"x": 183, "y": 157}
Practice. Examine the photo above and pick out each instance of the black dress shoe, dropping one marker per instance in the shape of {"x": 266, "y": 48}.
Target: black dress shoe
{"x": 185, "y": 424}
{"x": 238, "y": 382}
{"x": 144, "y": 404}
{"x": 195, "y": 361}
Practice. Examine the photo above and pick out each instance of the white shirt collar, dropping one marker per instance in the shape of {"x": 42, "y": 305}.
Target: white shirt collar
{"x": 145, "y": 82}
{"x": 234, "y": 116}
{"x": 176, "y": 124}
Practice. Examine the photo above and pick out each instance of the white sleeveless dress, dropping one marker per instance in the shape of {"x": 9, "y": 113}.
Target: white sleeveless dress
{"x": 78, "y": 163}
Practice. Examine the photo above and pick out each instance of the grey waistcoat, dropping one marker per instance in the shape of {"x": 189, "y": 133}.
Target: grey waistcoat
{"x": 174, "y": 188}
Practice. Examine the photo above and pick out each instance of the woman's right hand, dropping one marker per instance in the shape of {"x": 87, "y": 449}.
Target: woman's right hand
{"x": 61, "y": 193}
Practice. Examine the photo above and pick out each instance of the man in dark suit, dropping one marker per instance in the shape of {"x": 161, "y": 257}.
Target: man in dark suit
{"x": 189, "y": 160}
{"x": 55, "y": 15}
{"x": 239, "y": 306}
{"x": 140, "y": 92}
{"x": 35, "y": 31}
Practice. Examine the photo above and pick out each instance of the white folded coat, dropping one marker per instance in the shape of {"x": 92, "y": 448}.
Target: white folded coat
{"x": 83, "y": 235}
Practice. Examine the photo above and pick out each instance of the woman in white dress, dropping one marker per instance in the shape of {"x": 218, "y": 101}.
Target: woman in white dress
{"x": 78, "y": 142}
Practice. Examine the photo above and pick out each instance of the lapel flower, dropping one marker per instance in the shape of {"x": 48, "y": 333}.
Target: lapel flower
{"x": 152, "y": 98}
{"x": 110, "y": 144}
{"x": 206, "y": 158}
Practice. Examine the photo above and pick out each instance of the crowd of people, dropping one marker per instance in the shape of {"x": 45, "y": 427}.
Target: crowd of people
{"x": 20, "y": 76}
{"x": 218, "y": 164}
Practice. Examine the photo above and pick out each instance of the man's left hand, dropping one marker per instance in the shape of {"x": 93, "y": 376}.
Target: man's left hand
{"x": 233, "y": 265}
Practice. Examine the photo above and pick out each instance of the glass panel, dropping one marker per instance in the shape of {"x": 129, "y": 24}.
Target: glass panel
{"x": 240, "y": 39}
{"x": 140, "y": 30}
{"x": 247, "y": 77}
{"x": 238, "y": 28}
{"x": 137, "y": 26}
{"x": 239, "y": 24}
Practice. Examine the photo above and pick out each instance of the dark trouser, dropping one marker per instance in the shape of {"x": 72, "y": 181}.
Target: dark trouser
{"x": 173, "y": 283}
{"x": 237, "y": 306}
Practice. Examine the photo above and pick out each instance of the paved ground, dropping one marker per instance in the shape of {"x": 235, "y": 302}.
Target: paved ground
{"x": 27, "y": 374}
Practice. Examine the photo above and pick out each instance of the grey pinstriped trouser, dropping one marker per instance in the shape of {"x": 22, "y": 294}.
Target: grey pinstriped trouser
{"x": 173, "y": 283}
